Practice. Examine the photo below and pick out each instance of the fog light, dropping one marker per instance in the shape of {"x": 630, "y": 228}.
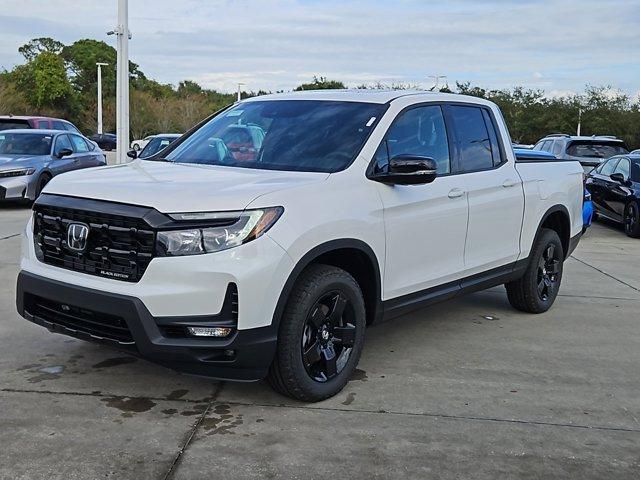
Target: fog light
{"x": 209, "y": 331}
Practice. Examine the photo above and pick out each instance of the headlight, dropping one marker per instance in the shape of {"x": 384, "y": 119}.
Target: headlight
{"x": 17, "y": 173}
{"x": 232, "y": 229}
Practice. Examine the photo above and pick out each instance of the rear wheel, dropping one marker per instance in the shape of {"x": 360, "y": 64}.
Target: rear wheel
{"x": 632, "y": 220}
{"x": 537, "y": 289}
{"x": 321, "y": 335}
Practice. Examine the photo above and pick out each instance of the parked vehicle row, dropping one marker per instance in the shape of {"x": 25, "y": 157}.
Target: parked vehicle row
{"x": 30, "y": 158}
{"x": 10, "y": 122}
{"x": 589, "y": 151}
{"x": 615, "y": 189}
{"x": 264, "y": 242}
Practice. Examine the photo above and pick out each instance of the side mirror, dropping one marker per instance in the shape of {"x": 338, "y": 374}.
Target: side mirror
{"x": 618, "y": 177}
{"x": 64, "y": 152}
{"x": 408, "y": 170}
{"x": 132, "y": 154}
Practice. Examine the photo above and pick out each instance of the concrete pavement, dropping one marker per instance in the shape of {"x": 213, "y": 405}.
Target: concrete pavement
{"x": 464, "y": 389}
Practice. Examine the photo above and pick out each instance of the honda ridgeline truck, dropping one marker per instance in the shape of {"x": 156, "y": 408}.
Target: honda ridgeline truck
{"x": 263, "y": 241}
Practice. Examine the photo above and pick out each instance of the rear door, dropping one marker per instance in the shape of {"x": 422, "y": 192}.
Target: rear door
{"x": 82, "y": 151}
{"x": 602, "y": 186}
{"x": 619, "y": 193}
{"x": 494, "y": 189}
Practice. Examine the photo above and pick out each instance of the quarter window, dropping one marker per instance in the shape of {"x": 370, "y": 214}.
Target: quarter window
{"x": 43, "y": 124}
{"x": 557, "y": 148}
{"x": 57, "y": 125}
{"x": 472, "y": 138}
{"x": 419, "y": 131}
{"x": 80, "y": 146}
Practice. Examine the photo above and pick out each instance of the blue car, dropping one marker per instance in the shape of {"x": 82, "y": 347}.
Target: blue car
{"x": 523, "y": 154}
{"x": 30, "y": 158}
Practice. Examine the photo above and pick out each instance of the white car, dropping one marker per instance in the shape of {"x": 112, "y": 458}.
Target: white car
{"x": 264, "y": 242}
{"x": 138, "y": 145}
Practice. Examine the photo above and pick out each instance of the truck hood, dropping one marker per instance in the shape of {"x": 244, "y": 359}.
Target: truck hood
{"x": 171, "y": 188}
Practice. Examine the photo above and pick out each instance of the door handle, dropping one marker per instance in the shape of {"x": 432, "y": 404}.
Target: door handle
{"x": 456, "y": 192}
{"x": 509, "y": 183}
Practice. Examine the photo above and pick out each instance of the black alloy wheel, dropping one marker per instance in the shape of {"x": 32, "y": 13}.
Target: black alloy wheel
{"x": 549, "y": 268}
{"x": 632, "y": 220}
{"x": 328, "y": 337}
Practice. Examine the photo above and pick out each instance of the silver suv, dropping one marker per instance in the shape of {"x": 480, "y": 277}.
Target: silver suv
{"x": 589, "y": 151}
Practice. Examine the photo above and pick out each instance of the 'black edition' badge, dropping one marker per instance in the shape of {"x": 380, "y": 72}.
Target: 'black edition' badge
{"x": 77, "y": 235}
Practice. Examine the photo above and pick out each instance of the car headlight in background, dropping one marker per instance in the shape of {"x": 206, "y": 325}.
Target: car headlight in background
{"x": 17, "y": 173}
{"x": 228, "y": 230}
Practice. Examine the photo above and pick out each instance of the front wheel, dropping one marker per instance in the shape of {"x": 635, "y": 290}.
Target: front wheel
{"x": 321, "y": 335}
{"x": 538, "y": 288}
{"x": 632, "y": 220}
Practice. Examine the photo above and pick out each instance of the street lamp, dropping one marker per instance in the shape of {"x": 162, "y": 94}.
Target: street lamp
{"x": 240, "y": 91}
{"x": 100, "y": 65}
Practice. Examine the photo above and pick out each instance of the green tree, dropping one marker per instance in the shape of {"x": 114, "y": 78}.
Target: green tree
{"x": 45, "y": 82}
{"x": 321, "y": 83}
{"x": 36, "y": 46}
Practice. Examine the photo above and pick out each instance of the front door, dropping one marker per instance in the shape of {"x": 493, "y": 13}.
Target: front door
{"x": 425, "y": 225}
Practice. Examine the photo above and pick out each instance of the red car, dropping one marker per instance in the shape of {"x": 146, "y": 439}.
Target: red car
{"x": 11, "y": 122}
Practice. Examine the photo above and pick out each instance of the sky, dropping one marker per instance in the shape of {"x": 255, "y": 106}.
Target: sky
{"x": 558, "y": 46}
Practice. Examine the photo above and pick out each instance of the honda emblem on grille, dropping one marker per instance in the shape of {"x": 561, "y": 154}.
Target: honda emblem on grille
{"x": 77, "y": 235}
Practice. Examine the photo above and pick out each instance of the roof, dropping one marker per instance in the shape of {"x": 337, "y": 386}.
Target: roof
{"x": 361, "y": 95}
{"x": 600, "y": 138}
{"x": 35, "y": 130}
{"x": 29, "y": 117}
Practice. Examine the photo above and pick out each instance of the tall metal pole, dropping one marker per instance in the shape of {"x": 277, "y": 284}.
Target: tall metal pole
{"x": 579, "y": 122}
{"x": 436, "y": 79}
{"x": 122, "y": 86}
{"x": 240, "y": 91}
{"x": 100, "y": 65}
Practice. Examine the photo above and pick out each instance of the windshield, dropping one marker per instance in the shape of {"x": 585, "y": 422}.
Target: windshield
{"x": 25, "y": 143}
{"x": 293, "y": 135}
{"x": 596, "y": 149}
{"x": 155, "y": 145}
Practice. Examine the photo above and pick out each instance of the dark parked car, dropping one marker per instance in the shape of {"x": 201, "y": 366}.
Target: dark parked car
{"x": 10, "y": 122}
{"x": 30, "y": 158}
{"x": 589, "y": 151}
{"x": 106, "y": 141}
{"x": 615, "y": 190}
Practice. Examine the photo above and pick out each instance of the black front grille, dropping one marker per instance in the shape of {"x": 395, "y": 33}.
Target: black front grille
{"x": 118, "y": 247}
{"x": 76, "y": 320}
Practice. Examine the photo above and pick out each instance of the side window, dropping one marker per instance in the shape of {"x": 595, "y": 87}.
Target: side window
{"x": 62, "y": 142}
{"x": 43, "y": 124}
{"x": 609, "y": 167}
{"x": 624, "y": 167}
{"x": 493, "y": 138}
{"x": 79, "y": 145}
{"x": 58, "y": 125}
{"x": 70, "y": 127}
{"x": 538, "y": 146}
{"x": 557, "y": 148}
{"x": 418, "y": 131}
{"x": 472, "y": 138}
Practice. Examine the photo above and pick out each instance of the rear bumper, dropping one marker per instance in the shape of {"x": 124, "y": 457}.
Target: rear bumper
{"x": 246, "y": 355}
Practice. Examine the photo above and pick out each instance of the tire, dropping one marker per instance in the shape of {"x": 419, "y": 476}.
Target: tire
{"x": 594, "y": 216}
{"x": 324, "y": 315}
{"x": 42, "y": 182}
{"x": 632, "y": 220}
{"x": 538, "y": 288}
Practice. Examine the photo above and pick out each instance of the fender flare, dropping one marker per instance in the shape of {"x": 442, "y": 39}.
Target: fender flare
{"x": 556, "y": 208}
{"x": 308, "y": 258}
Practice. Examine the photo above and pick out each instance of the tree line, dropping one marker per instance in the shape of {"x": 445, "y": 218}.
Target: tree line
{"x": 61, "y": 80}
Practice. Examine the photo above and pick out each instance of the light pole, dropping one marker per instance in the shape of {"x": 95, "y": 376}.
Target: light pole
{"x": 436, "y": 79}
{"x": 240, "y": 91}
{"x": 122, "y": 85}
{"x": 100, "y": 65}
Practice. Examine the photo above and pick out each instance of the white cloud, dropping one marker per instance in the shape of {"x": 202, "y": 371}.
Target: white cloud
{"x": 557, "y": 45}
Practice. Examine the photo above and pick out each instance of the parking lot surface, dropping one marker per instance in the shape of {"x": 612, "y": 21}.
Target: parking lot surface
{"x": 465, "y": 389}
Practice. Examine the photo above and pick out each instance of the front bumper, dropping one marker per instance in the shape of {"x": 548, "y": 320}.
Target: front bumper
{"x": 246, "y": 355}
{"x": 15, "y": 188}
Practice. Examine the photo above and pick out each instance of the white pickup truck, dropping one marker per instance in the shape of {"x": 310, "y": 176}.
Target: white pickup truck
{"x": 264, "y": 241}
